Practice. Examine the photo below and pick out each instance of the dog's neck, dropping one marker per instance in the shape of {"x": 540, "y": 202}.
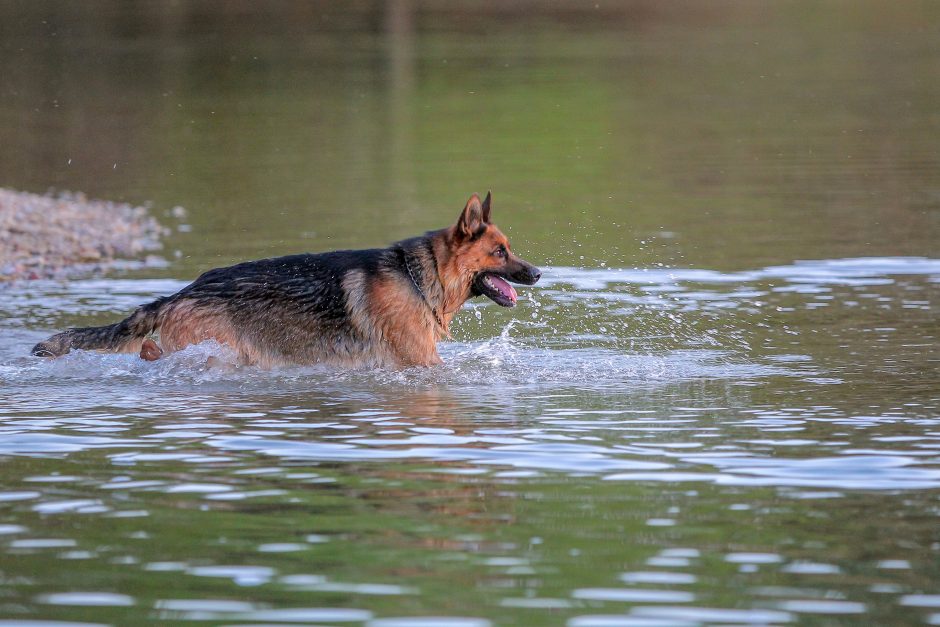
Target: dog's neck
{"x": 440, "y": 282}
{"x": 456, "y": 280}
{"x": 423, "y": 270}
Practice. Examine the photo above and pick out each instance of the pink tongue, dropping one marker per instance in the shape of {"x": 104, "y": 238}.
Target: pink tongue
{"x": 505, "y": 288}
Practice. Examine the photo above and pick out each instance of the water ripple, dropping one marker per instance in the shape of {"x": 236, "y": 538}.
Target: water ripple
{"x": 651, "y": 406}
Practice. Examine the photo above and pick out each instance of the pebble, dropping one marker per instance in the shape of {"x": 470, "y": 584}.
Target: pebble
{"x": 53, "y": 237}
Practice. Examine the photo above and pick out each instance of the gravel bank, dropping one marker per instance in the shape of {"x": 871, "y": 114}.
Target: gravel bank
{"x": 44, "y": 237}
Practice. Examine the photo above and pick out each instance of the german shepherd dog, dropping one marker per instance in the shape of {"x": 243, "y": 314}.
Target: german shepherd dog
{"x": 384, "y": 307}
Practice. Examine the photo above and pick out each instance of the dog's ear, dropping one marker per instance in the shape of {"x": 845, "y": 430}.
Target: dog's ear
{"x": 471, "y": 220}
{"x": 486, "y": 209}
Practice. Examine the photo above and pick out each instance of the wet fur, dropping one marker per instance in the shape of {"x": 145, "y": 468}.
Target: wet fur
{"x": 348, "y": 308}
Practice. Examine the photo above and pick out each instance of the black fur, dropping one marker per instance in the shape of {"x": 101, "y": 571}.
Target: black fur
{"x": 297, "y": 292}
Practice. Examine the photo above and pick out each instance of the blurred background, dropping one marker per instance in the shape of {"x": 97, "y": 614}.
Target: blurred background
{"x": 726, "y": 134}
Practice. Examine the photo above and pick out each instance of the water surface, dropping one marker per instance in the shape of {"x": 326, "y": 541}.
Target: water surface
{"x": 720, "y": 405}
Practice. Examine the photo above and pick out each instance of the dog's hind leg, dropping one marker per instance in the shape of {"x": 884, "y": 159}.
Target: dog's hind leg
{"x": 149, "y": 351}
{"x": 188, "y": 321}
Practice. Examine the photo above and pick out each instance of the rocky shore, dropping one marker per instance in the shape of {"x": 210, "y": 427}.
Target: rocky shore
{"x": 43, "y": 237}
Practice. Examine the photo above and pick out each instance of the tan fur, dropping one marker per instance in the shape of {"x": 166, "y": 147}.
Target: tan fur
{"x": 406, "y": 324}
{"x": 183, "y": 323}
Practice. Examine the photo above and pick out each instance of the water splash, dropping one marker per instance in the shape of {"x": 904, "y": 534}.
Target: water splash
{"x": 597, "y": 327}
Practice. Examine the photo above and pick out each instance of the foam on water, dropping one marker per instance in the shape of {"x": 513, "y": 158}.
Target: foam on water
{"x": 503, "y": 360}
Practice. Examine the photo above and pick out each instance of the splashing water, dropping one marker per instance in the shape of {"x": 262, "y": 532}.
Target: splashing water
{"x": 602, "y": 327}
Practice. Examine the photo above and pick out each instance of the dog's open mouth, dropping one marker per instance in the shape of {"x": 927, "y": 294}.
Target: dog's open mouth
{"x": 496, "y": 288}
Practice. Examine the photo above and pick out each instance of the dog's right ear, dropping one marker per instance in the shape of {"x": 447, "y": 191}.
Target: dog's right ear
{"x": 471, "y": 220}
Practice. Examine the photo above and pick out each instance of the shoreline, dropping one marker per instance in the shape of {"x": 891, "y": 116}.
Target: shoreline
{"x": 63, "y": 235}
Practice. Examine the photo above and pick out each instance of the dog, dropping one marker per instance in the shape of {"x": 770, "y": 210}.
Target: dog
{"x": 383, "y": 307}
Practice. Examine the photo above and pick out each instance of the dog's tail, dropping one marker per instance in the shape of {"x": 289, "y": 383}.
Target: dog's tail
{"x": 122, "y": 337}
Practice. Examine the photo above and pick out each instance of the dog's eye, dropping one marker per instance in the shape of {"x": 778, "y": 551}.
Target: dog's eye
{"x": 500, "y": 252}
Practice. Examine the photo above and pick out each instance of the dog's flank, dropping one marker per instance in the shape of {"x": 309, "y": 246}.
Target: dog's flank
{"x": 379, "y": 307}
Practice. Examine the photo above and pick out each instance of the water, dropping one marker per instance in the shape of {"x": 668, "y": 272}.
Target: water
{"x": 720, "y": 405}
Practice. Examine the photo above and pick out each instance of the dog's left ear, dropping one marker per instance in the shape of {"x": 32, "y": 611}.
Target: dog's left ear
{"x": 486, "y": 209}
{"x": 471, "y": 221}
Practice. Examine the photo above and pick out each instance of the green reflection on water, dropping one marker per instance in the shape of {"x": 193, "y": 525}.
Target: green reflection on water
{"x": 460, "y": 546}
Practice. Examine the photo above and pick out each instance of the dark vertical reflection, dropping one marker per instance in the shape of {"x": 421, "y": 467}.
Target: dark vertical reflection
{"x": 401, "y": 60}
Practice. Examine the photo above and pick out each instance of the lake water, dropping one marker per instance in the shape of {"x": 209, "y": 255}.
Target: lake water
{"x": 720, "y": 405}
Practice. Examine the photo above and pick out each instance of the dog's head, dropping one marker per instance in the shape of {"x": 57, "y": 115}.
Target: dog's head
{"x": 485, "y": 258}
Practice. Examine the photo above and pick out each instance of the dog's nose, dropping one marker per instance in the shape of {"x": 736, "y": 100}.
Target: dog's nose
{"x": 535, "y": 274}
